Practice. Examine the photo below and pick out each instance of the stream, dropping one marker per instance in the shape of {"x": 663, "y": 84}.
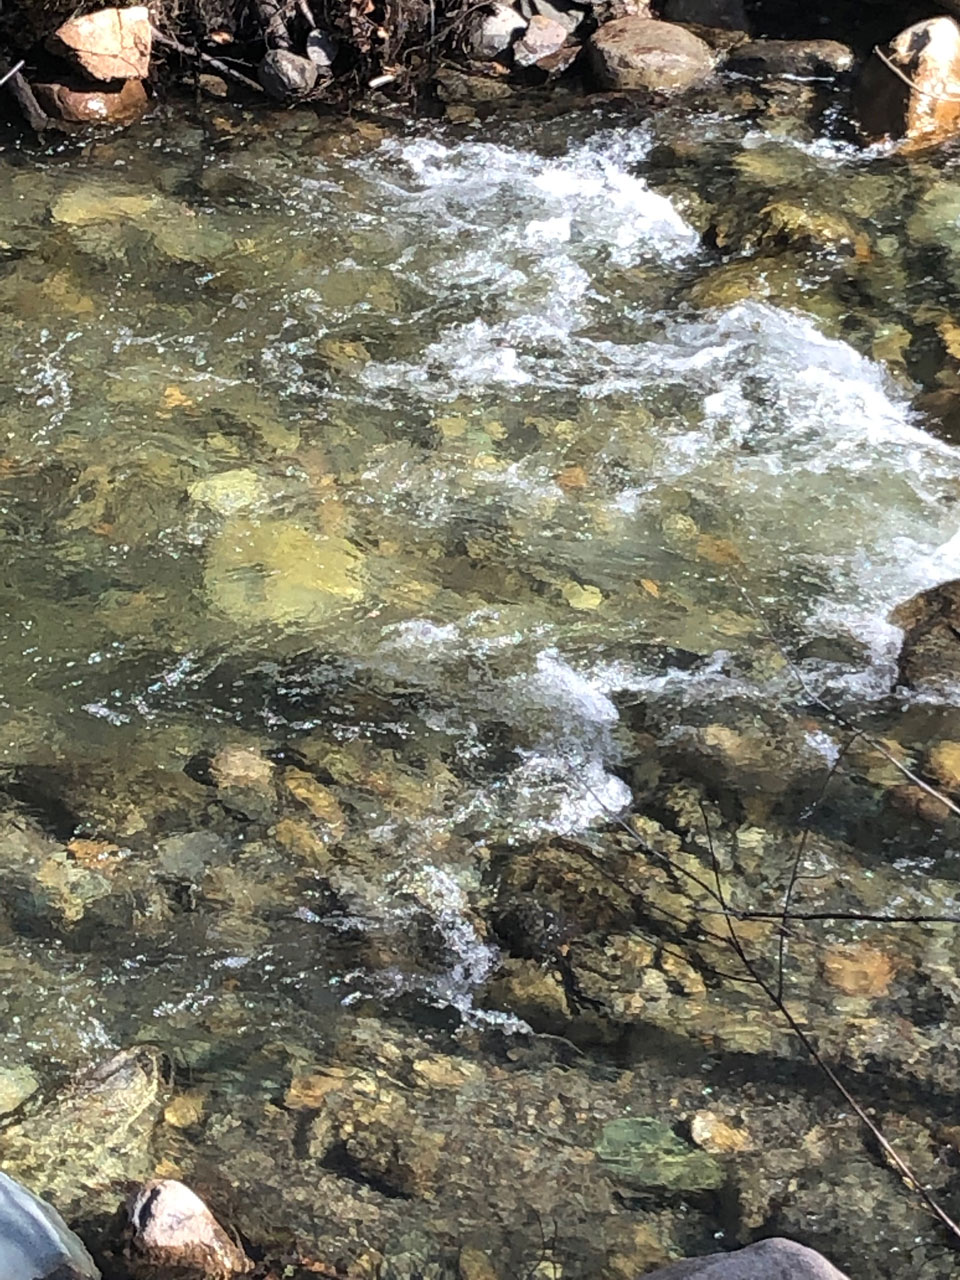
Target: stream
{"x": 429, "y": 553}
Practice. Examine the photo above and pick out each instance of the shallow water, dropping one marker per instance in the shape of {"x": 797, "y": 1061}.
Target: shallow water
{"x": 487, "y": 484}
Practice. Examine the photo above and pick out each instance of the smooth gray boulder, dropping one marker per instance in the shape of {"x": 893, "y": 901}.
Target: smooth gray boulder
{"x": 775, "y": 1259}
{"x": 35, "y": 1241}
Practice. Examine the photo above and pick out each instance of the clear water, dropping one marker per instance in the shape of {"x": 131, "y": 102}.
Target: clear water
{"x": 452, "y": 469}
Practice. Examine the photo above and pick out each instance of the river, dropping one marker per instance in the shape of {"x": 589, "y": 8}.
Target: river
{"x": 392, "y": 512}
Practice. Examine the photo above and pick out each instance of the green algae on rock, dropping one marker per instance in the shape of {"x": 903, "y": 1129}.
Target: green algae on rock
{"x": 645, "y": 1154}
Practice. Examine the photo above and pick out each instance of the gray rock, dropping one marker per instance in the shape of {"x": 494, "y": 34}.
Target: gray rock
{"x": 775, "y": 1259}
{"x": 321, "y": 50}
{"x": 35, "y": 1241}
{"x": 640, "y": 53}
{"x": 804, "y": 58}
{"x": 569, "y": 16}
{"x": 494, "y": 32}
{"x": 542, "y": 38}
{"x": 287, "y": 75}
{"x": 729, "y": 14}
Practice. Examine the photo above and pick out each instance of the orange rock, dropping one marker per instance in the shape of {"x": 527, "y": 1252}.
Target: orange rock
{"x": 571, "y": 478}
{"x": 123, "y": 104}
{"x": 858, "y": 970}
{"x": 944, "y": 763}
{"x": 110, "y": 44}
{"x": 911, "y": 89}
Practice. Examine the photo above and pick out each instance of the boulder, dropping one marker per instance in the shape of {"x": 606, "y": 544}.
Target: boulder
{"x": 807, "y": 59}
{"x": 35, "y": 1241}
{"x": 286, "y": 75}
{"x": 729, "y": 14}
{"x": 930, "y": 652}
{"x": 911, "y": 89}
{"x": 174, "y": 1231}
{"x": 641, "y": 53}
{"x": 494, "y": 32}
{"x": 775, "y": 1259}
{"x": 111, "y": 44}
{"x": 123, "y": 102}
{"x": 542, "y": 38}
{"x": 569, "y": 15}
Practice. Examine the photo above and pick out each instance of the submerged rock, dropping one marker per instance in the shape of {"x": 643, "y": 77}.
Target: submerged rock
{"x": 911, "y": 89}
{"x": 768, "y": 1260}
{"x": 82, "y": 1148}
{"x": 35, "y": 1242}
{"x": 640, "y": 53}
{"x": 791, "y": 58}
{"x": 174, "y": 1231}
{"x": 644, "y": 1153}
{"x": 110, "y": 44}
{"x": 930, "y": 652}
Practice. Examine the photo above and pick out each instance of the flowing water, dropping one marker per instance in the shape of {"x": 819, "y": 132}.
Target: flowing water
{"x": 386, "y": 512}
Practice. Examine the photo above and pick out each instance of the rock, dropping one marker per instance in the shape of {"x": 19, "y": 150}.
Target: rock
{"x": 321, "y": 50}
{"x": 213, "y": 86}
{"x": 943, "y": 762}
{"x": 804, "y": 58}
{"x": 716, "y": 1135}
{"x": 930, "y": 652}
{"x": 640, "y": 53}
{"x": 236, "y": 767}
{"x": 494, "y": 32}
{"x": 569, "y": 15}
{"x": 644, "y": 1154}
{"x": 123, "y": 104}
{"x": 775, "y": 1259}
{"x": 276, "y": 571}
{"x": 858, "y": 970}
{"x": 85, "y": 1145}
{"x": 16, "y": 1085}
{"x": 174, "y": 1229}
{"x": 454, "y": 86}
{"x": 110, "y": 44}
{"x": 928, "y": 55}
{"x": 286, "y": 75}
{"x": 542, "y": 38}
{"x": 35, "y": 1242}
{"x": 728, "y": 14}
{"x": 231, "y": 491}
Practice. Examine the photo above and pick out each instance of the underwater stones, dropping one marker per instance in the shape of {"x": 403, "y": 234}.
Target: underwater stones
{"x": 641, "y": 53}
{"x": 109, "y": 44}
{"x": 230, "y": 491}
{"x": 16, "y": 1085}
{"x": 803, "y": 58}
{"x": 783, "y": 1259}
{"x": 926, "y": 110}
{"x": 84, "y": 1146}
{"x": 643, "y": 1153}
{"x": 173, "y": 1231}
{"x": 35, "y": 1242}
{"x": 531, "y": 993}
{"x": 275, "y": 571}
{"x": 716, "y": 1135}
{"x": 858, "y": 970}
{"x": 930, "y": 653}
{"x": 319, "y": 800}
{"x": 237, "y": 767}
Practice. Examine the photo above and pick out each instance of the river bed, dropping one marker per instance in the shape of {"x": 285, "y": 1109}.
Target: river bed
{"x": 391, "y": 513}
